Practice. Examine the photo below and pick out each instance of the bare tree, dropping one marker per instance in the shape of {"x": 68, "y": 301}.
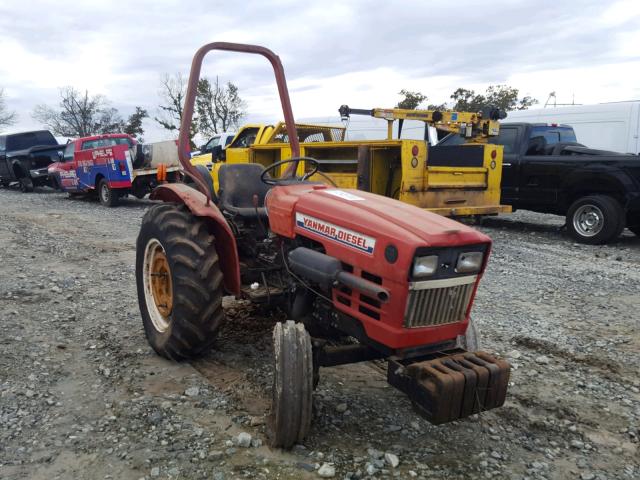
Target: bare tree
{"x": 79, "y": 115}
{"x": 173, "y": 91}
{"x": 7, "y": 118}
{"x": 219, "y": 107}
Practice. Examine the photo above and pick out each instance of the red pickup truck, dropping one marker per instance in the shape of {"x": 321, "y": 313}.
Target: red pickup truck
{"x": 111, "y": 165}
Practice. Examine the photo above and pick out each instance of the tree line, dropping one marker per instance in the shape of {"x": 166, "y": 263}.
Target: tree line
{"x": 218, "y": 108}
{"x": 503, "y": 97}
{"x": 79, "y": 114}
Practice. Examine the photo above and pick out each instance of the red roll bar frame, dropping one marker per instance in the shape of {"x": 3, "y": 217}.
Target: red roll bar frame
{"x": 189, "y": 103}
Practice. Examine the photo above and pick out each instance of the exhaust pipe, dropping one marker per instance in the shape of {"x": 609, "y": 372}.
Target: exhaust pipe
{"x": 326, "y": 271}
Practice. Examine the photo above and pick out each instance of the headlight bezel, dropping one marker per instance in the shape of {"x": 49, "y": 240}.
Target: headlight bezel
{"x": 474, "y": 260}
{"x": 448, "y": 261}
{"x": 425, "y": 266}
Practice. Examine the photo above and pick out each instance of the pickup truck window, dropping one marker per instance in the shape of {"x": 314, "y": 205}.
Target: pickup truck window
{"x": 246, "y": 138}
{"x": 544, "y": 137}
{"x": 106, "y": 142}
{"x": 68, "y": 152}
{"x": 3, "y": 144}
{"x": 22, "y": 141}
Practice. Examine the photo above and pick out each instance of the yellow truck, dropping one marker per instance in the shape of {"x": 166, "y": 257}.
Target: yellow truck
{"x": 453, "y": 181}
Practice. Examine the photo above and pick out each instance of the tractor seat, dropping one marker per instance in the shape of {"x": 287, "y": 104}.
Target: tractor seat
{"x": 238, "y": 183}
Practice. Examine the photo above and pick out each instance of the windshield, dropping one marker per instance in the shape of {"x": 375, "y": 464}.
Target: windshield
{"x": 106, "y": 142}
{"x": 213, "y": 143}
{"x": 22, "y": 141}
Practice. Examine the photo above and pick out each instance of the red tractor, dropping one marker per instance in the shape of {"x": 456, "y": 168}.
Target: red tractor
{"x": 391, "y": 280}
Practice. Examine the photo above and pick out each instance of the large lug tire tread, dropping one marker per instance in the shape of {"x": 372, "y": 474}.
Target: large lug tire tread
{"x": 197, "y": 281}
{"x": 291, "y": 410}
{"x": 113, "y": 197}
{"x": 614, "y": 219}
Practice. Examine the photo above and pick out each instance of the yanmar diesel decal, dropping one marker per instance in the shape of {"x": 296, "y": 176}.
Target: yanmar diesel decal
{"x": 338, "y": 234}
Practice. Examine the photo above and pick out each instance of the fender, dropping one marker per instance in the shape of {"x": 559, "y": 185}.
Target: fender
{"x": 226, "y": 246}
{"x": 598, "y": 179}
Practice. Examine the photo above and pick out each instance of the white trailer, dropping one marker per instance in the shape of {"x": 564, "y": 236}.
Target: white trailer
{"x": 611, "y": 126}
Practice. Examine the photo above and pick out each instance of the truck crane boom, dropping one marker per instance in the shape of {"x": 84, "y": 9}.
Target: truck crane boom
{"x": 474, "y": 127}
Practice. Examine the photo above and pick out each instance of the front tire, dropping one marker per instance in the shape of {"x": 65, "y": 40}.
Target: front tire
{"x": 107, "y": 195}
{"x": 179, "y": 282}
{"x": 595, "y": 219}
{"x": 26, "y": 185}
{"x": 291, "y": 408}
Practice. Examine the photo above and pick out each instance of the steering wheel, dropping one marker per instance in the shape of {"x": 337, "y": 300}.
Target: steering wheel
{"x": 277, "y": 181}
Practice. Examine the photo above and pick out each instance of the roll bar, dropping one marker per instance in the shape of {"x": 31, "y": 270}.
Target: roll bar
{"x": 189, "y": 104}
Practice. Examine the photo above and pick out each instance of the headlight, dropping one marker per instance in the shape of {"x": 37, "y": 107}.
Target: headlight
{"x": 469, "y": 262}
{"x": 425, "y": 266}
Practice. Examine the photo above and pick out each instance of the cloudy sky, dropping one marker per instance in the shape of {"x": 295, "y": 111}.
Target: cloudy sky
{"x": 356, "y": 52}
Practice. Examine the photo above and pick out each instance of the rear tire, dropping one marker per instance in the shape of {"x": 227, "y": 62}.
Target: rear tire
{"x": 595, "y": 219}
{"x": 292, "y": 400}
{"x": 107, "y": 195}
{"x": 179, "y": 282}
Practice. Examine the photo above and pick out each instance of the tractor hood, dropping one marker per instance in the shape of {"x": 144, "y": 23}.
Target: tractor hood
{"x": 372, "y": 221}
{"x": 376, "y": 214}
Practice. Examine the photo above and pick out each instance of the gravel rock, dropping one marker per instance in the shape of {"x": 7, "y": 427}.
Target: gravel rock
{"x": 392, "y": 459}
{"x": 243, "y": 440}
{"x": 542, "y": 360}
{"x": 327, "y": 471}
{"x": 192, "y": 392}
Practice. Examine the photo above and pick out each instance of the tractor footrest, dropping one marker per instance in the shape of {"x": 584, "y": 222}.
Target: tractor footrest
{"x": 453, "y": 386}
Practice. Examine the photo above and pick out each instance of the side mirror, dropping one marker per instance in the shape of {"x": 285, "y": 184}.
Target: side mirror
{"x": 217, "y": 154}
{"x": 60, "y": 155}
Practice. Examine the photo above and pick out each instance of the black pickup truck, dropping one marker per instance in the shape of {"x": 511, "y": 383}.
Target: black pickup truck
{"x": 546, "y": 170}
{"x": 25, "y": 156}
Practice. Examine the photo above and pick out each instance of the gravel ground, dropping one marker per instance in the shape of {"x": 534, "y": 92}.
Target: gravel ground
{"x": 83, "y": 396}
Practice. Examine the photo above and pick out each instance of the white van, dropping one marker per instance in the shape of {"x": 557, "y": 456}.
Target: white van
{"x": 611, "y": 126}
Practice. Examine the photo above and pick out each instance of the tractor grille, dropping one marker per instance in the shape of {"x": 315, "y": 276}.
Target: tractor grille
{"x": 437, "y": 302}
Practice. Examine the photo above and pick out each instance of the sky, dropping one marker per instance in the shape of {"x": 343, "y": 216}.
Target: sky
{"x": 360, "y": 53}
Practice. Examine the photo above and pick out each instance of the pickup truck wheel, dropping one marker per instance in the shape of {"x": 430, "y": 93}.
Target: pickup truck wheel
{"x": 292, "y": 395}
{"x": 26, "y": 185}
{"x": 595, "y": 219}
{"x": 635, "y": 229}
{"x": 179, "y": 282}
{"x": 107, "y": 195}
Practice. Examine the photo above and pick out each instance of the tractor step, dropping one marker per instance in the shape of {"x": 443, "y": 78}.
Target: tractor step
{"x": 454, "y": 386}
